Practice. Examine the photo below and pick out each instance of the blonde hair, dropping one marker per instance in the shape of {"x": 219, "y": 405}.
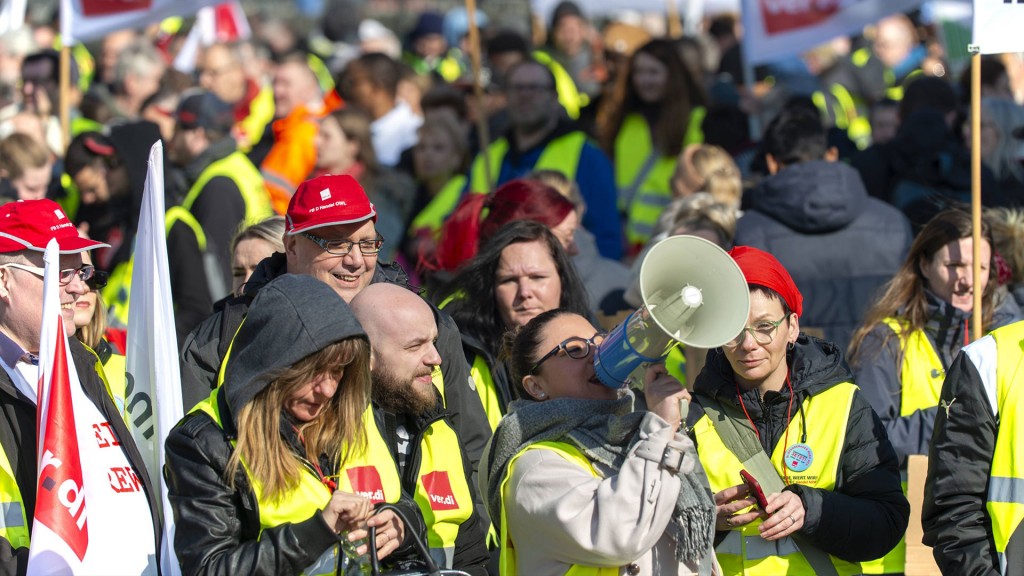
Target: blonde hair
{"x": 21, "y": 152}
{"x": 92, "y": 333}
{"x": 337, "y": 432}
{"x": 716, "y": 170}
{"x": 698, "y": 212}
{"x": 270, "y": 231}
{"x": 560, "y": 182}
{"x": 1008, "y": 237}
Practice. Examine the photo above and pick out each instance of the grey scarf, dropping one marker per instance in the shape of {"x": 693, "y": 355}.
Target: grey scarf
{"x": 604, "y": 430}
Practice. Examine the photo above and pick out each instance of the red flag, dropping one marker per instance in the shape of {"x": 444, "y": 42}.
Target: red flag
{"x": 60, "y": 501}
{"x": 108, "y": 7}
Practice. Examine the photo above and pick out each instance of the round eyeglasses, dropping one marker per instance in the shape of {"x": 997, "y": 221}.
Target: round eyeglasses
{"x": 762, "y": 332}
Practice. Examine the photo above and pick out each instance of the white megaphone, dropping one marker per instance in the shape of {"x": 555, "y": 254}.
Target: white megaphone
{"x": 693, "y": 293}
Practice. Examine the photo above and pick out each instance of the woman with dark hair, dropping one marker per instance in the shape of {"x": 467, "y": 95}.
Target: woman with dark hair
{"x": 914, "y": 331}
{"x": 479, "y": 216}
{"x": 657, "y": 109}
{"x": 781, "y": 406}
{"x": 519, "y": 273}
{"x": 260, "y": 474}
{"x": 580, "y": 483}
{"x": 344, "y": 146}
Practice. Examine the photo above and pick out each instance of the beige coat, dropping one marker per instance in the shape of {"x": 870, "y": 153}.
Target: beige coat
{"x": 560, "y": 514}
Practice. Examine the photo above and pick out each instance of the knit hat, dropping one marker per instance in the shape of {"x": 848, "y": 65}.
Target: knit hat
{"x": 328, "y": 200}
{"x": 30, "y": 224}
{"x": 762, "y": 269}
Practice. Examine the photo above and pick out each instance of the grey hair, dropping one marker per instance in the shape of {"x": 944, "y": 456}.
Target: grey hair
{"x": 136, "y": 59}
{"x": 1005, "y": 116}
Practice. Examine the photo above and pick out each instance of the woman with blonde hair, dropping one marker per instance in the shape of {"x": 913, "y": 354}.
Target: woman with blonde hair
{"x": 258, "y": 473}
{"x": 251, "y": 245}
{"x": 708, "y": 168}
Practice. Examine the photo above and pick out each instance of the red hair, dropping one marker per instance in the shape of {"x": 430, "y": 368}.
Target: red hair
{"x": 468, "y": 227}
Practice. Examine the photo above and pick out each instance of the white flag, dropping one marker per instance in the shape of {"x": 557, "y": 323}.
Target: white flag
{"x": 153, "y": 391}
{"x": 60, "y": 529}
{"x": 12, "y": 15}
{"x": 998, "y": 25}
{"x": 87, "y": 20}
{"x": 773, "y": 29}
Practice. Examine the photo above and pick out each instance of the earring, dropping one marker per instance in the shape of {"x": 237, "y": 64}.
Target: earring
{"x": 790, "y": 346}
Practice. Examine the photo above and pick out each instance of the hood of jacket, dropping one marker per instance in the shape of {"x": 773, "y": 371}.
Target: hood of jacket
{"x": 814, "y": 366}
{"x": 812, "y": 197}
{"x": 291, "y": 317}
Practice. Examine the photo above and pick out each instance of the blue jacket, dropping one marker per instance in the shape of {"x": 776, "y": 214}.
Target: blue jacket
{"x": 839, "y": 244}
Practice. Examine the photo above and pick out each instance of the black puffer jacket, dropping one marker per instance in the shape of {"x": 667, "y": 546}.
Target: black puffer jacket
{"x": 866, "y": 514}
{"x": 218, "y": 527}
{"x": 839, "y": 245}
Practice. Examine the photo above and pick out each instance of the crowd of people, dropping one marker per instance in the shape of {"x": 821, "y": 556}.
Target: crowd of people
{"x": 389, "y": 292}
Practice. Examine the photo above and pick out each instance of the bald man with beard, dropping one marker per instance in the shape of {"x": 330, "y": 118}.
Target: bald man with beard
{"x": 432, "y": 463}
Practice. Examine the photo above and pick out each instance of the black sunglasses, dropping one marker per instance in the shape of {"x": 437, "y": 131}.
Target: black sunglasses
{"x": 98, "y": 280}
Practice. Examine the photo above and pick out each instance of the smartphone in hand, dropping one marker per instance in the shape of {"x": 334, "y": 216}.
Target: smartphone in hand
{"x": 755, "y": 489}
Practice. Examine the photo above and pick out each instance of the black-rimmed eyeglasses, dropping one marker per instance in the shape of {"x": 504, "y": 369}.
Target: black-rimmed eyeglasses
{"x": 343, "y": 247}
{"x": 574, "y": 347}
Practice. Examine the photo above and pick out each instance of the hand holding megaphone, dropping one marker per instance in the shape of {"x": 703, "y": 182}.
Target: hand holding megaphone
{"x": 693, "y": 293}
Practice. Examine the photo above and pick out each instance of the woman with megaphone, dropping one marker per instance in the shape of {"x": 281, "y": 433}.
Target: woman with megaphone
{"x": 579, "y": 483}
{"x": 776, "y": 418}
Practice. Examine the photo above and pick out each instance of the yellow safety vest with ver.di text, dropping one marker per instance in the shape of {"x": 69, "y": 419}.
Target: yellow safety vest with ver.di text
{"x": 508, "y": 551}
{"x": 442, "y": 489}
{"x": 561, "y": 154}
{"x": 1006, "y": 478}
{"x": 824, "y": 417}
{"x": 301, "y": 503}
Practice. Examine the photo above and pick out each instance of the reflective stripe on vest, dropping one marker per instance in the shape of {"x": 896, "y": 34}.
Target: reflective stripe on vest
{"x": 440, "y": 206}
{"x": 746, "y": 552}
{"x": 561, "y": 154}
{"x": 507, "y": 560}
{"x": 442, "y": 490}
{"x": 117, "y": 293}
{"x": 646, "y": 200}
{"x": 480, "y": 371}
{"x": 1006, "y": 478}
{"x": 248, "y": 179}
{"x": 13, "y": 525}
{"x": 921, "y": 374}
{"x": 298, "y": 505}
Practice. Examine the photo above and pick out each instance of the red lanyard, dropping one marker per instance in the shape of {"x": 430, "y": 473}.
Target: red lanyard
{"x": 789, "y": 418}
{"x": 327, "y": 481}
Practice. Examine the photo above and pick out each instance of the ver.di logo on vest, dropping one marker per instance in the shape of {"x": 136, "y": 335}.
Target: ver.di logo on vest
{"x": 439, "y": 491}
{"x": 366, "y": 482}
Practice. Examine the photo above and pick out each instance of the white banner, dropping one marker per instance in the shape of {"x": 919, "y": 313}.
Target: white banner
{"x": 153, "y": 391}
{"x": 998, "y": 25}
{"x": 86, "y": 20}
{"x": 778, "y": 28}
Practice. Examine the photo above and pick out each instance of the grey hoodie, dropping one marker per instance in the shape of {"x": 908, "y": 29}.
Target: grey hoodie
{"x": 292, "y": 317}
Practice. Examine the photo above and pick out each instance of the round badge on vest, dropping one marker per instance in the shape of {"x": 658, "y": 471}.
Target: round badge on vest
{"x": 799, "y": 457}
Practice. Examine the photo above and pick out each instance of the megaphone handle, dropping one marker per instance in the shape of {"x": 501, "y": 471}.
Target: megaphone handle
{"x": 684, "y": 410}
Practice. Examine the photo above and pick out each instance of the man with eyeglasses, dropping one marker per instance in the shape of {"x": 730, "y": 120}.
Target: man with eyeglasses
{"x": 330, "y": 235}
{"x": 541, "y": 137}
{"x": 25, "y": 229}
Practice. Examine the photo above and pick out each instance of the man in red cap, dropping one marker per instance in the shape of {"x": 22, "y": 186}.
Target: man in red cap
{"x": 330, "y": 235}
{"x": 25, "y": 229}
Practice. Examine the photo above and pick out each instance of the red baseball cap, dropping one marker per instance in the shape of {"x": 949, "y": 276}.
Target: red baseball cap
{"x": 30, "y": 224}
{"x": 328, "y": 200}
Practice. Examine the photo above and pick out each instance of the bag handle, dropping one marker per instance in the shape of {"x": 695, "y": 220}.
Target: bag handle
{"x": 432, "y": 568}
{"x": 739, "y": 436}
